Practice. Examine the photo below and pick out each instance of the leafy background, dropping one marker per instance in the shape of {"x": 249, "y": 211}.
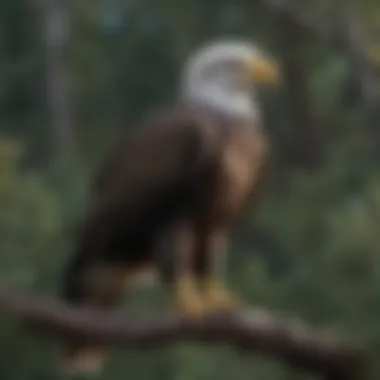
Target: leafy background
{"x": 311, "y": 248}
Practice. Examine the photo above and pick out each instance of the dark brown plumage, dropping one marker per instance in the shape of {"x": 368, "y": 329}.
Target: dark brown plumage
{"x": 167, "y": 197}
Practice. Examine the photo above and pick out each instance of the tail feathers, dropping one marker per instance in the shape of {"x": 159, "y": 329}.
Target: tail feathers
{"x": 84, "y": 361}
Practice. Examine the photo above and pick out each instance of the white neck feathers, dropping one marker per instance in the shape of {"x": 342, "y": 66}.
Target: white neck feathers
{"x": 234, "y": 104}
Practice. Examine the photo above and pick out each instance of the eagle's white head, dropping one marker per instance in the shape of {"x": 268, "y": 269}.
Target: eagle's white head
{"x": 223, "y": 75}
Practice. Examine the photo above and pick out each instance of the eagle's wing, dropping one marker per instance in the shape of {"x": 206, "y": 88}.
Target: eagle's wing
{"x": 154, "y": 167}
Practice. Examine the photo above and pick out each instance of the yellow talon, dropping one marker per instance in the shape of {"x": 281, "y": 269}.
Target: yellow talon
{"x": 188, "y": 299}
{"x": 215, "y": 298}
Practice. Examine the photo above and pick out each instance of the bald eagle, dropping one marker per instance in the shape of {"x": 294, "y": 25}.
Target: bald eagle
{"x": 171, "y": 191}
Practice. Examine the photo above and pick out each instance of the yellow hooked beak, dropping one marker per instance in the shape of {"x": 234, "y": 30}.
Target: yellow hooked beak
{"x": 263, "y": 71}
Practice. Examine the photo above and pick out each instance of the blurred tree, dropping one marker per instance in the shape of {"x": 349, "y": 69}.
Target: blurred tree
{"x": 56, "y": 15}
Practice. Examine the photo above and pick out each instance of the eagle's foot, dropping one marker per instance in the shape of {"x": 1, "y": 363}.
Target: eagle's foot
{"x": 188, "y": 299}
{"x": 215, "y": 298}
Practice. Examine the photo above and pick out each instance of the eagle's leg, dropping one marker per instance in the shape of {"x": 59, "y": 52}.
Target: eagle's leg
{"x": 176, "y": 252}
{"x": 211, "y": 265}
{"x": 98, "y": 287}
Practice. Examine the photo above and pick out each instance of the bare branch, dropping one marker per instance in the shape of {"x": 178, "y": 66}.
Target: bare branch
{"x": 248, "y": 330}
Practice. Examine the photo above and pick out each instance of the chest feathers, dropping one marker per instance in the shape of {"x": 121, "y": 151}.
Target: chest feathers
{"x": 240, "y": 170}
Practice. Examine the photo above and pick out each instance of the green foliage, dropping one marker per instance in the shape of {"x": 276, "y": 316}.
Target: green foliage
{"x": 29, "y": 218}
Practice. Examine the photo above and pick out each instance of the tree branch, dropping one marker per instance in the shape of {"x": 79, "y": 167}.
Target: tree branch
{"x": 248, "y": 330}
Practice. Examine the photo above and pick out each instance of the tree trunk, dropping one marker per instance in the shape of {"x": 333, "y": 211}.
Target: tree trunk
{"x": 305, "y": 148}
{"x": 365, "y": 75}
{"x": 56, "y": 18}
